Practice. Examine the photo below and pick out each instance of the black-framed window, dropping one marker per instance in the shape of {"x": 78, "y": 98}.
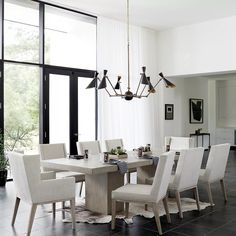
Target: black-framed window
{"x": 25, "y": 49}
{"x": 21, "y": 31}
{"x": 74, "y": 34}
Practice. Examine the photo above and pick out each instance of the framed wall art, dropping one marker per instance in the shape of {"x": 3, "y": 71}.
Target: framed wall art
{"x": 169, "y": 111}
{"x": 195, "y": 111}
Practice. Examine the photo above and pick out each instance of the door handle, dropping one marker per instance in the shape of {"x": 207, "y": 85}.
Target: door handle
{"x": 75, "y": 134}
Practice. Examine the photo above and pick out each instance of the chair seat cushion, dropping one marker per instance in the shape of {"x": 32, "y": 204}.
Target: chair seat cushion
{"x": 133, "y": 193}
{"x": 79, "y": 177}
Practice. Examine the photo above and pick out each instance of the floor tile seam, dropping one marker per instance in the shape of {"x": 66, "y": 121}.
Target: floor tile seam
{"x": 221, "y": 226}
{"x": 187, "y": 222}
{"x": 180, "y": 233}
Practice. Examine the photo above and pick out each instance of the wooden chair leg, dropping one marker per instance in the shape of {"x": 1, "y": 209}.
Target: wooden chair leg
{"x": 209, "y": 193}
{"x": 146, "y": 207}
{"x": 127, "y": 209}
{"x": 31, "y": 219}
{"x": 196, "y": 195}
{"x": 81, "y": 188}
{"x": 63, "y": 209}
{"x": 54, "y": 210}
{"x": 165, "y": 203}
{"x": 17, "y": 203}
{"x": 178, "y": 201}
{"x": 72, "y": 210}
{"x": 113, "y": 219}
{"x": 222, "y": 183}
{"x": 157, "y": 218}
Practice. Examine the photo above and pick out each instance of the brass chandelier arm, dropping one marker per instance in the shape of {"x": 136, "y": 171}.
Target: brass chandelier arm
{"x": 142, "y": 91}
{"x": 138, "y": 86}
{"x": 155, "y": 86}
{"x": 111, "y": 85}
{"x": 128, "y": 43}
{"x": 157, "y": 83}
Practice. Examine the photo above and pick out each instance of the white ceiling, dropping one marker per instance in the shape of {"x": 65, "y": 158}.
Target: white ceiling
{"x": 156, "y": 14}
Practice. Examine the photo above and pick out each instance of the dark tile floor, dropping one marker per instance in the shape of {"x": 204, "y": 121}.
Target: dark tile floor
{"x": 217, "y": 220}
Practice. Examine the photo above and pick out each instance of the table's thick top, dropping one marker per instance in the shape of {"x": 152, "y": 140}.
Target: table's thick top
{"x": 94, "y": 165}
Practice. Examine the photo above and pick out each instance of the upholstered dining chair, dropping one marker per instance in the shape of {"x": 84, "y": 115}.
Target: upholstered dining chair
{"x": 179, "y": 143}
{"x": 32, "y": 189}
{"x": 93, "y": 147}
{"x": 114, "y": 143}
{"x": 152, "y": 194}
{"x": 215, "y": 168}
{"x": 58, "y": 150}
{"x": 186, "y": 175}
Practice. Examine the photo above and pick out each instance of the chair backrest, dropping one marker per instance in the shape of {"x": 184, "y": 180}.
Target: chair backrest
{"x": 113, "y": 143}
{"x": 179, "y": 143}
{"x": 25, "y": 171}
{"x": 93, "y": 147}
{"x": 217, "y": 161}
{"x": 162, "y": 176}
{"x": 188, "y": 168}
{"x": 52, "y": 151}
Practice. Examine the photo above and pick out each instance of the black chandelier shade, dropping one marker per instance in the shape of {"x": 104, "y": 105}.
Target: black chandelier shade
{"x": 144, "y": 79}
{"x": 93, "y": 83}
{"x": 103, "y": 83}
{"x": 168, "y": 84}
{"x": 150, "y": 86}
{"x": 117, "y": 87}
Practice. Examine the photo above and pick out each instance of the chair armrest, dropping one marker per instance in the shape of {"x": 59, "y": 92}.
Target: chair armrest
{"x": 47, "y": 175}
{"x": 55, "y": 190}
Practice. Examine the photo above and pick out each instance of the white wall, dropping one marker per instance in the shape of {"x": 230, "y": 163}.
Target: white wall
{"x": 200, "y": 48}
{"x": 185, "y": 89}
{"x": 226, "y": 98}
{"x": 193, "y": 51}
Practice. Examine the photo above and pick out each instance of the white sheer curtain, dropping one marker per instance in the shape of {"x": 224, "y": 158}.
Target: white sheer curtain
{"x": 136, "y": 121}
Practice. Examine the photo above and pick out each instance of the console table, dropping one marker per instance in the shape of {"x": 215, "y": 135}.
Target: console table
{"x": 202, "y": 134}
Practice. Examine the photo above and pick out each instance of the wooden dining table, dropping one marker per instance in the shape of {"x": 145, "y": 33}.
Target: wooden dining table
{"x": 101, "y": 178}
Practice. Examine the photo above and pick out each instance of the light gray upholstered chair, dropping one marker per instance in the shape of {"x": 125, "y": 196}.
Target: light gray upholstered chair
{"x": 114, "y": 143}
{"x": 179, "y": 143}
{"x": 187, "y": 174}
{"x": 58, "y": 150}
{"x": 215, "y": 168}
{"x": 32, "y": 188}
{"x": 142, "y": 193}
{"x": 93, "y": 147}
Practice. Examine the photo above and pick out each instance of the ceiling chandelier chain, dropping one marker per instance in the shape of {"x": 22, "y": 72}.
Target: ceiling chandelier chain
{"x": 128, "y": 45}
{"x": 144, "y": 80}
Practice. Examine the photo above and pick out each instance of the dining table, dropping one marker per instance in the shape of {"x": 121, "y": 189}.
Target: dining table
{"x": 102, "y": 178}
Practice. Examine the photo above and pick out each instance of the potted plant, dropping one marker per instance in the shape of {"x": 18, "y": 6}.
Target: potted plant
{"x": 3, "y": 162}
{"x": 117, "y": 153}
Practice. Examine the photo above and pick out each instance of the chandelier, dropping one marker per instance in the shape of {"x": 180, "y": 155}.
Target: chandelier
{"x": 143, "y": 82}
